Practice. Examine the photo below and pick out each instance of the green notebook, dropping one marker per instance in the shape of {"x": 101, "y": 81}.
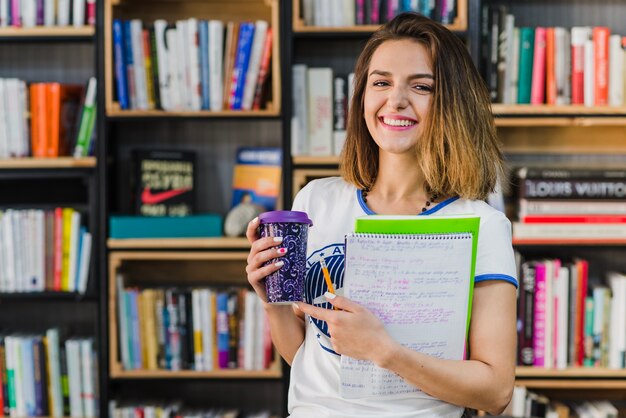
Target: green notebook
{"x": 416, "y": 274}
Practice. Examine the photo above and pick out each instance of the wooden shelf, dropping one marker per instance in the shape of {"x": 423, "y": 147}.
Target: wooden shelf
{"x": 459, "y": 24}
{"x": 562, "y": 110}
{"x": 314, "y": 160}
{"x": 273, "y": 373}
{"x": 118, "y": 113}
{"x": 177, "y": 243}
{"x": 568, "y": 242}
{"x": 540, "y": 122}
{"x": 47, "y": 32}
{"x": 586, "y": 372}
{"x": 58, "y": 162}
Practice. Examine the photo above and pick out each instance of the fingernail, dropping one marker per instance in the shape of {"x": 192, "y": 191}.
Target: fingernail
{"x": 295, "y": 305}
{"x": 281, "y": 250}
{"x": 278, "y": 239}
{"x": 255, "y": 220}
{"x": 279, "y": 264}
{"x": 329, "y": 295}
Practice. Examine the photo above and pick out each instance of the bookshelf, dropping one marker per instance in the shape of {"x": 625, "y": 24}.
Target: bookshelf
{"x": 47, "y": 163}
{"x": 44, "y": 32}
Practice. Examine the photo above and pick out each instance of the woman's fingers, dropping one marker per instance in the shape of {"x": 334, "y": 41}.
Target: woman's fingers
{"x": 251, "y": 231}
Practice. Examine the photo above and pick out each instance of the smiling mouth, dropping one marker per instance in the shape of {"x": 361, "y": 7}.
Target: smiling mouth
{"x": 397, "y": 123}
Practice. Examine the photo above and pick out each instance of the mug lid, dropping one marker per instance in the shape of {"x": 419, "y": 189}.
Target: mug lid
{"x": 277, "y": 216}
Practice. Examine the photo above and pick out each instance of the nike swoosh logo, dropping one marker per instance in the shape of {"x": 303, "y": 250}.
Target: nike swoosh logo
{"x": 150, "y": 198}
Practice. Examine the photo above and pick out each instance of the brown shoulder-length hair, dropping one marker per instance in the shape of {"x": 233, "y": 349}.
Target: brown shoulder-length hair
{"x": 458, "y": 152}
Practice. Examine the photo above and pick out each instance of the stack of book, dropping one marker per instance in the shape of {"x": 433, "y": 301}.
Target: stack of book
{"x": 333, "y": 13}
{"x": 192, "y": 64}
{"x": 43, "y": 376}
{"x": 43, "y": 250}
{"x": 571, "y": 205}
{"x": 192, "y": 329}
{"x": 179, "y": 410}
{"x": 30, "y": 13}
{"x": 551, "y": 65}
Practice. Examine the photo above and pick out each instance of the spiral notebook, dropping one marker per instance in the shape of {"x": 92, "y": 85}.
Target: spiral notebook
{"x": 416, "y": 274}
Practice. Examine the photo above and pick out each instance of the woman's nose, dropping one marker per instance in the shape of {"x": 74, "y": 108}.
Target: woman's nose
{"x": 397, "y": 98}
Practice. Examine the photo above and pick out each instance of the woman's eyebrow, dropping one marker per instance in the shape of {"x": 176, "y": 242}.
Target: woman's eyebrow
{"x": 413, "y": 76}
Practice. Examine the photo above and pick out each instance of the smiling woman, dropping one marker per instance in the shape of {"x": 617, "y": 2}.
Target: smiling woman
{"x": 420, "y": 140}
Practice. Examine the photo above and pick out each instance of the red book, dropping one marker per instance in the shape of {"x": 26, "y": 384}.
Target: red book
{"x": 550, "y": 68}
{"x": 58, "y": 248}
{"x": 574, "y": 219}
{"x": 263, "y": 70}
{"x": 583, "y": 269}
{"x": 538, "y": 86}
{"x": 579, "y": 36}
{"x": 601, "y": 65}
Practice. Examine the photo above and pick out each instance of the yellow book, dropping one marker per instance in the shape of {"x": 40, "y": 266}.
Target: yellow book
{"x": 213, "y": 296}
{"x": 150, "y": 323}
{"x": 68, "y": 213}
{"x": 141, "y": 317}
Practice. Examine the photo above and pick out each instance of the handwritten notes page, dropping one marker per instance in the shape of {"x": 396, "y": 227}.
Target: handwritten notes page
{"x": 418, "y": 285}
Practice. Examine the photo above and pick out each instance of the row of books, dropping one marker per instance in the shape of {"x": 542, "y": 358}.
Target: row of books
{"x": 44, "y": 376}
{"x": 126, "y": 410}
{"x": 62, "y": 119}
{"x": 571, "y": 204}
{"x": 195, "y": 329}
{"x": 192, "y": 64}
{"x": 372, "y": 12}
{"x": 551, "y": 65}
{"x": 320, "y": 105}
{"x": 43, "y": 250}
{"x": 529, "y": 404}
{"x": 564, "y": 321}
{"x": 30, "y": 13}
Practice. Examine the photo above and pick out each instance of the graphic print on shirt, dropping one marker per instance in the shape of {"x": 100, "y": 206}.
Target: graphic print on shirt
{"x": 315, "y": 285}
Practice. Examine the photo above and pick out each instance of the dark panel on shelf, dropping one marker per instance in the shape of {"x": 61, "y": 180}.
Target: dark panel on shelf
{"x": 36, "y": 316}
{"x": 32, "y": 191}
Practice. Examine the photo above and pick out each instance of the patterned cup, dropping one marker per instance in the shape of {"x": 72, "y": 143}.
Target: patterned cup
{"x": 286, "y": 285}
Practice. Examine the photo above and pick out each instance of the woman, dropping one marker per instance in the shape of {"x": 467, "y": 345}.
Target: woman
{"x": 420, "y": 140}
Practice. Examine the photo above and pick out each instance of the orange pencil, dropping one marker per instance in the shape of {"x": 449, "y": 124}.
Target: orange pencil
{"x": 329, "y": 282}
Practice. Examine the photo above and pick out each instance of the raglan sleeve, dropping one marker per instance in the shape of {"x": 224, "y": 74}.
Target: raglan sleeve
{"x": 495, "y": 259}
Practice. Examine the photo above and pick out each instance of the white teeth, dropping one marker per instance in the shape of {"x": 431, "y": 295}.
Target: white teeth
{"x": 398, "y": 122}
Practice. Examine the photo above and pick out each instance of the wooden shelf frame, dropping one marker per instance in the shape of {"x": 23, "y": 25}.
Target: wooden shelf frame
{"x": 48, "y": 32}
{"x": 179, "y": 243}
{"x": 232, "y": 263}
{"x": 557, "y": 110}
{"x": 224, "y": 10}
{"x": 459, "y": 24}
{"x": 46, "y": 163}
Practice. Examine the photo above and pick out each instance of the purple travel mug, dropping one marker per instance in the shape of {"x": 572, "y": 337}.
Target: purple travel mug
{"x": 286, "y": 285}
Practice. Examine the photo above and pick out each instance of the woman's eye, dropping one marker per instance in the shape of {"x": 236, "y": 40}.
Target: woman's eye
{"x": 423, "y": 88}
{"x": 380, "y": 83}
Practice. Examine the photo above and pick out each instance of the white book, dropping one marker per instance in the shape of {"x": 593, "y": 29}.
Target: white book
{"x": 299, "y": 121}
{"x": 163, "y": 56}
{"x": 18, "y": 378}
{"x": 320, "y": 104}
{"x": 54, "y": 366}
{"x": 259, "y": 334}
{"x": 193, "y": 54}
{"x": 216, "y": 65}
{"x": 348, "y": 12}
{"x": 3, "y": 278}
{"x": 339, "y": 140}
{"x": 78, "y": 13}
{"x": 507, "y": 51}
{"x": 18, "y": 242}
{"x": 336, "y": 13}
{"x": 308, "y": 11}
{"x": 258, "y": 42}
{"x": 616, "y": 71}
{"x": 4, "y": 13}
{"x": 49, "y": 8}
{"x": 9, "y": 251}
{"x": 561, "y": 65}
{"x": 562, "y": 316}
{"x": 617, "y": 342}
{"x": 40, "y": 249}
{"x": 139, "y": 70}
{"x": 183, "y": 64}
{"x": 13, "y": 115}
{"x": 196, "y": 307}
{"x": 589, "y": 71}
{"x": 350, "y": 89}
{"x": 29, "y": 13}
{"x": 83, "y": 263}
{"x": 87, "y": 377}
{"x": 249, "y": 325}
{"x": 24, "y": 116}
{"x": 63, "y": 12}
{"x": 208, "y": 330}
{"x": 74, "y": 243}
{"x": 28, "y": 374}
{"x": 72, "y": 353}
{"x": 4, "y": 135}
{"x": 175, "y": 93}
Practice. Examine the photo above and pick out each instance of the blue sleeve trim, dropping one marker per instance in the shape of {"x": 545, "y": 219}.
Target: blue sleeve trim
{"x": 505, "y": 277}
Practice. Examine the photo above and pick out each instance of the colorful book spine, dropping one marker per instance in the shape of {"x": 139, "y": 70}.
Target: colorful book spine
{"x": 222, "y": 330}
{"x": 87, "y": 121}
{"x": 537, "y": 95}
{"x": 527, "y": 41}
{"x": 539, "y": 330}
{"x": 242, "y": 58}
{"x": 203, "y": 32}
{"x": 601, "y": 65}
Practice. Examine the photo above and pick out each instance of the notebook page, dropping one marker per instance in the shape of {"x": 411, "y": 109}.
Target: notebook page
{"x": 418, "y": 285}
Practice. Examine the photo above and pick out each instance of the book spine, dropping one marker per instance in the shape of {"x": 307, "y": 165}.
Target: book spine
{"x": 120, "y": 65}
{"x": 589, "y": 73}
{"x": 222, "y": 330}
{"x": 263, "y": 71}
{"x": 527, "y": 41}
{"x": 251, "y": 76}
{"x": 147, "y": 59}
{"x": 526, "y": 315}
{"x": 578, "y": 36}
{"x": 244, "y": 46}
{"x": 540, "y": 305}
{"x": 87, "y": 121}
{"x": 573, "y": 189}
{"x": 601, "y": 65}
{"x": 539, "y": 67}
{"x": 203, "y": 33}
{"x": 216, "y": 64}
{"x": 616, "y": 71}
{"x": 162, "y": 60}
{"x": 577, "y": 219}
{"x": 550, "y": 66}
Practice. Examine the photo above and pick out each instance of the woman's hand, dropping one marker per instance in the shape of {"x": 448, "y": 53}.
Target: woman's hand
{"x": 262, "y": 250}
{"x": 354, "y": 330}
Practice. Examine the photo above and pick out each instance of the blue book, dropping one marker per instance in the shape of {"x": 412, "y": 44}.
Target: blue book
{"x": 128, "y": 60}
{"x": 136, "y": 335}
{"x": 426, "y": 7}
{"x": 203, "y": 32}
{"x": 222, "y": 330}
{"x": 28, "y": 374}
{"x": 242, "y": 59}
{"x": 120, "y": 64}
{"x": 79, "y": 250}
{"x": 191, "y": 226}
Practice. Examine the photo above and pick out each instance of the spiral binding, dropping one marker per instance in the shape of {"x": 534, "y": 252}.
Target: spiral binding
{"x": 421, "y": 237}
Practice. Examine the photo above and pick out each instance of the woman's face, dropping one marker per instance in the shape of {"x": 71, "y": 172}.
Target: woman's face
{"x": 397, "y": 95}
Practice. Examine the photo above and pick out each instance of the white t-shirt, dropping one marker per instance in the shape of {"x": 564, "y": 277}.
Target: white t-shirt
{"x": 333, "y": 204}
